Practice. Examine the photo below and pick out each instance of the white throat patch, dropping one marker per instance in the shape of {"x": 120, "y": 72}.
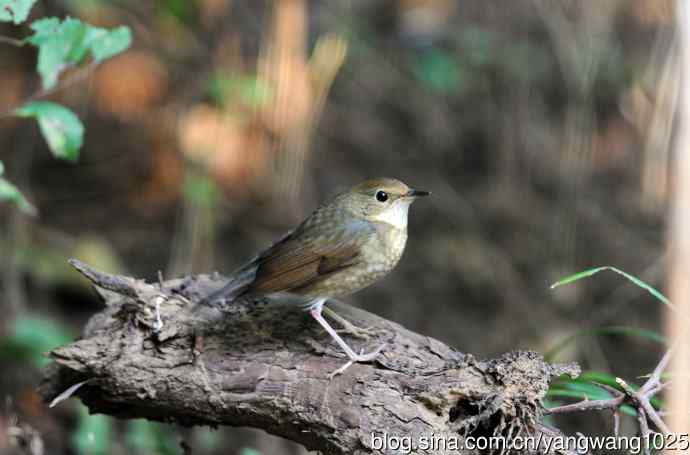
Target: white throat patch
{"x": 396, "y": 214}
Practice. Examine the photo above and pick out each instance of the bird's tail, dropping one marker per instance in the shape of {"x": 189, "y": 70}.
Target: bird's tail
{"x": 227, "y": 293}
{"x": 236, "y": 286}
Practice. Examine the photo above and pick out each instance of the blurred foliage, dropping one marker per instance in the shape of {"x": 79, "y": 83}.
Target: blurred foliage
{"x": 61, "y": 45}
{"x": 9, "y": 192}
{"x": 200, "y": 189}
{"x": 439, "y": 71}
{"x": 47, "y": 263}
{"x": 208, "y": 440}
{"x": 632, "y": 332}
{"x": 182, "y": 10}
{"x": 249, "y": 451}
{"x": 480, "y": 51}
{"x": 227, "y": 88}
{"x": 93, "y": 434}
{"x": 31, "y": 337}
{"x": 145, "y": 437}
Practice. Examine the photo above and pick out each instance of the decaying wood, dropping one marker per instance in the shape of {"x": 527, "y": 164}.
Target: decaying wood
{"x": 267, "y": 366}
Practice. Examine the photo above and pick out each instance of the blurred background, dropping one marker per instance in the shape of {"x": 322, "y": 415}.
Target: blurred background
{"x": 543, "y": 129}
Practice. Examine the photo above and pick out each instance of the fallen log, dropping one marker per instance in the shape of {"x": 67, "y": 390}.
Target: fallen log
{"x": 148, "y": 355}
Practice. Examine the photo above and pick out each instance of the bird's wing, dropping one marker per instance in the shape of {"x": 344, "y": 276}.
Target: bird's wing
{"x": 301, "y": 258}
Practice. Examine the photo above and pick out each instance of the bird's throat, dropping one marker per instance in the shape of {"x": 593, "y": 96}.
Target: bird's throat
{"x": 396, "y": 214}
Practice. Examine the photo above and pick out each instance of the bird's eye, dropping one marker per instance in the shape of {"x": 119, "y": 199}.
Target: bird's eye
{"x": 381, "y": 196}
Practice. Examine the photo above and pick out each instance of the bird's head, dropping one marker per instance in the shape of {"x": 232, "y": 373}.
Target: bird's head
{"x": 384, "y": 200}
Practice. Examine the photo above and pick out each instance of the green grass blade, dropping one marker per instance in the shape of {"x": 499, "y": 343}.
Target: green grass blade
{"x": 587, "y": 273}
{"x": 552, "y": 393}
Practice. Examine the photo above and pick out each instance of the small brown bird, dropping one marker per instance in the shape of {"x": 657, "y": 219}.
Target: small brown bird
{"x": 345, "y": 245}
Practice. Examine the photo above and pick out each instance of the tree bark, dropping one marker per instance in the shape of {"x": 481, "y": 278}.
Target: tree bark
{"x": 267, "y": 366}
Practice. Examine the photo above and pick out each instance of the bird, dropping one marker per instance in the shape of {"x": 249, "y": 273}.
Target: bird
{"x": 345, "y": 245}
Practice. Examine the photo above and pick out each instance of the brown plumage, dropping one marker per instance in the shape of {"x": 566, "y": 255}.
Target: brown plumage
{"x": 345, "y": 245}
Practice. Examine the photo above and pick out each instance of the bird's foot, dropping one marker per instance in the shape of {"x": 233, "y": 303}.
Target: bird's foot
{"x": 358, "y": 358}
{"x": 158, "y": 323}
{"x": 350, "y": 328}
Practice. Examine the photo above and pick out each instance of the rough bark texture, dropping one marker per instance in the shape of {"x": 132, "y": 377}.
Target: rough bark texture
{"x": 267, "y": 366}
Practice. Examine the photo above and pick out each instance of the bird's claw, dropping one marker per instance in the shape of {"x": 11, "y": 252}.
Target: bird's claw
{"x": 341, "y": 370}
{"x": 350, "y": 328}
{"x": 359, "y": 358}
{"x": 359, "y": 332}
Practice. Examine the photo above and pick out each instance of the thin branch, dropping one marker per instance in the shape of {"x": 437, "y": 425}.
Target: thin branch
{"x": 74, "y": 78}
{"x": 655, "y": 379}
{"x": 656, "y": 389}
{"x": 644, "y": 430}
{"x": 12, "y": 41}
{"x": 616, "y": 422}
{"x": 587, "y": 405}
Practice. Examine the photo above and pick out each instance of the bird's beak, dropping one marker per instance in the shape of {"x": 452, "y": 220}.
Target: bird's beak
{"x": 417, "y": 193}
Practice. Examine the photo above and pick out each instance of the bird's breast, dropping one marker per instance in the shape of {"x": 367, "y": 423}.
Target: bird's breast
{"x": 384, "y": 250}
{"x": 378, "y": 256}
{"x": 382, "y": 253}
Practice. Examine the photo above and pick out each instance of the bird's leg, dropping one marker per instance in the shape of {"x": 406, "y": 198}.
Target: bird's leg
{"x": 158, "y": 324}
{"x": 315, "y": 311}
{"x": 348, "y": 327}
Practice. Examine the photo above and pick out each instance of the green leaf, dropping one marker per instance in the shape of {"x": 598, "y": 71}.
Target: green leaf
{"x": 555, "y": 392}
{"x": 15, "y": 10}
{"x": 67, "y": 43}
{"x": 9, "y": 192}
{"x": 60, "y": 45}
{"x": 111, "y": 43}
{"x": 587, "y": 273}
{"x": 602, "y": 378}
{"x": 587, "y": 389}
{"x": 60, "y": 127}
